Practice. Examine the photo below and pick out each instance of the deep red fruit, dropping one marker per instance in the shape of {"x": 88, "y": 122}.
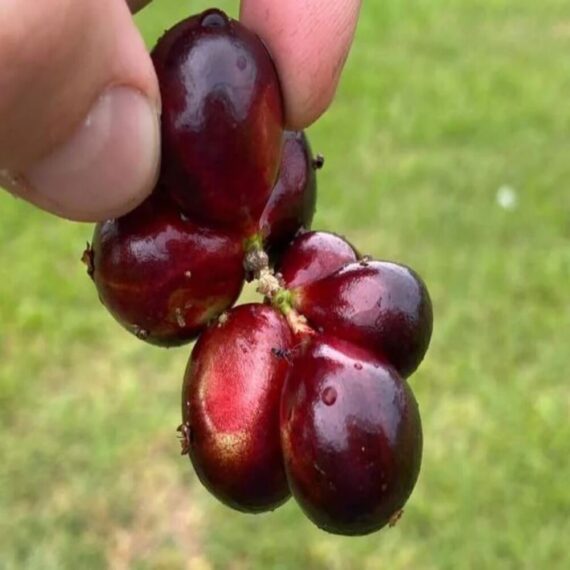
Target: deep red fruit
{"x": 222, "y": 119}
{"x": 161, "y": 276}
{"x": 352, "y": 437}
{"x": 314, "y": 255}
{"x": 379, "y": 305}
{"x": 291, "y": 205}
{"x": 230, "y": 409}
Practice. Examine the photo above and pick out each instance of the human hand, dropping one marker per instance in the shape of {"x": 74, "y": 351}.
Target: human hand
{"x": 79, "y": 99}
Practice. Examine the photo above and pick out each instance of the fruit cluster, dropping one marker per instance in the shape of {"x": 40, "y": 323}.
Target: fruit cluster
{"x": 305, "y": 393}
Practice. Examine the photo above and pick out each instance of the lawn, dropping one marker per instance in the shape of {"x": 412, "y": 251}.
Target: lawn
{"x": 447, "y": 149}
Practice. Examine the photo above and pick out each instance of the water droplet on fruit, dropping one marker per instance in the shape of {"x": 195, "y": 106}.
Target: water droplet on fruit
{"x": 188, "y": 274}
{"x": 140, "y": 333}
{"x": 180, "y": 321}
{"x": 358, "y": 366}
{"x": 329, "y": 396}
{"x": 214, "y": 19}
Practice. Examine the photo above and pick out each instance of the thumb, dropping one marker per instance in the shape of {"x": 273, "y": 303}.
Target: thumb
{"x": 79, "y": 107}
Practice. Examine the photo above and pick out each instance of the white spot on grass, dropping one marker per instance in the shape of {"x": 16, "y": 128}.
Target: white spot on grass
{"x": 507, "y": 197}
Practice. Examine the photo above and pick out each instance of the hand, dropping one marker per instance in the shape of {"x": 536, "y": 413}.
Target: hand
{"x": 79, "y": 99}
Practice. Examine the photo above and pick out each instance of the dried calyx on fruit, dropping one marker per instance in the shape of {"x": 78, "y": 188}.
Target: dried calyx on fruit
{"x": 305, "y": 394}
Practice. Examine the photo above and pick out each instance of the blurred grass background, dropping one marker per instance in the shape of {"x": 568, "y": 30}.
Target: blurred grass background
{"x": 448, "y": 149}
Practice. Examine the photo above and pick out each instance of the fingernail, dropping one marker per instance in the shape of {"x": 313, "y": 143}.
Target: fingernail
{"x": 107, "y": 167}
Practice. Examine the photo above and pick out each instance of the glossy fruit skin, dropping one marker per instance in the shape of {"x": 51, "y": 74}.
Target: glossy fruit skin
{"x": 314, "y": 255}
{"x": 291, "y": 206}
{"x": 230, "y": 407}
{"x": 379, "y": 305}
{"x": 161, "y": 276}
{"x": 222, "y": 119}
{"x": 351, "y": 435}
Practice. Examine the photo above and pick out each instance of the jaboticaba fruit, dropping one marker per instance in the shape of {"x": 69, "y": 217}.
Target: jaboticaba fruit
{"x": 230, "y": 407}
{"x": 291, "y": 206}
{"x": 162, "y": 276}
{"x": 222, "y": 119}
{"x": 379, "y": 305}
{"x": 352, "y": 437}
{"x": 314, "y": 255}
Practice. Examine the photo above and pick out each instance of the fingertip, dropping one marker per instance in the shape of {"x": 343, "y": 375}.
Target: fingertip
{"x": 309, "y": 43}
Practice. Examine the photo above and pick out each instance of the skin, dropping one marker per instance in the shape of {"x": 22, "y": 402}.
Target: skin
{"x": 48, "y": 157}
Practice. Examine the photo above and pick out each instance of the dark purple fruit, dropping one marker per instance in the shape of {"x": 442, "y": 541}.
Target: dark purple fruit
{"x": 351, "y": 435}
{"x": 379, "y": 305}
{"x": 291, "y": 206}
{"x": 314, "y": 255}
{"x": 222, "y": 119}
{"x": 161, "y": 276}
{"x": 230, "y": 408}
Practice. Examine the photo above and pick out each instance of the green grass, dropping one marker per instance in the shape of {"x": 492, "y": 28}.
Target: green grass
{"x": 442, "y": 104}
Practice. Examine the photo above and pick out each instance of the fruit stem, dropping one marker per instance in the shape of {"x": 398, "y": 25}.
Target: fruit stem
{"x": 282, "y": 300}
{"x": 255, "y": 260}
{"x": 298, "y": 324}
{"x": 268, "y": 284}
{"x": 256, "y": 264}
{"x": 253, "y": 243}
